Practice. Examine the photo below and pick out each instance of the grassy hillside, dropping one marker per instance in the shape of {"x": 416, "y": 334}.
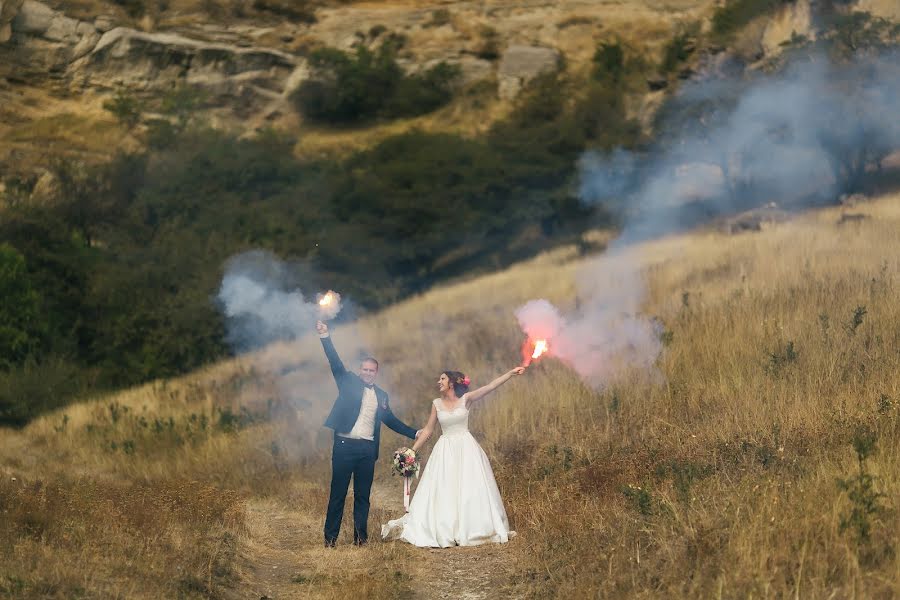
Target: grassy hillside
{"x": 762, "y": 463}
{"x": 119, "y": 207}
{"x": 124, "y": 257}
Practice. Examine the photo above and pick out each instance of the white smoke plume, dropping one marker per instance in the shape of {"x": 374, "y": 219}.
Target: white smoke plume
{"x": 262, "y": 302}
{"x": 540, "y": 320}
{"x": 798, "y": 138}
{"x": 270, "y": 315}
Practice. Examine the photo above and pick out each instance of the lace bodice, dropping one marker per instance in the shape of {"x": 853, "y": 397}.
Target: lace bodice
{"x": 453, "y": 421}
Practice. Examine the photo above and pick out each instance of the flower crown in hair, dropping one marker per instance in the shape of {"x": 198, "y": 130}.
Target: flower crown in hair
{"x": 463, "y": 380}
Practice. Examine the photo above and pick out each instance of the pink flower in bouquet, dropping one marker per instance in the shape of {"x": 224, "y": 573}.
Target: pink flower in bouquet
{"x": 405, "y": 463}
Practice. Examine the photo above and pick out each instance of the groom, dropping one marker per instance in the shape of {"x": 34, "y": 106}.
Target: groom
{"x": 356, "y": 419}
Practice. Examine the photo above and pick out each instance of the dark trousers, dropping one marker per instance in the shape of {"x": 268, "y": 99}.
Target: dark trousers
{"x": 350, "y": 458}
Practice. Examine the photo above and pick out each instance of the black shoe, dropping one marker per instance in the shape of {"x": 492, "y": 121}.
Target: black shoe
{"x": 360, "y": 542}
{"x": 329, "y": 543}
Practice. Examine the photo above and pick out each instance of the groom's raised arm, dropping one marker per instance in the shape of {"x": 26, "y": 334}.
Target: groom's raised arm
{"x": 391, "y": 420}
{"x": 334, "y": 361}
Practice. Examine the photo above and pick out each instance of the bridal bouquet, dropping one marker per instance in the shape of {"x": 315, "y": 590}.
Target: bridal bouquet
{"x": 406, "y": 465}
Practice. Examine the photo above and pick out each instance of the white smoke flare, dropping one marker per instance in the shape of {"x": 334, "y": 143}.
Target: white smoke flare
{"x": 262, "y": 304}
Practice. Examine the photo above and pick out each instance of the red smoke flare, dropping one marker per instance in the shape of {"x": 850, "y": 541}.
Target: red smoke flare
{"x": 533, "y": 350}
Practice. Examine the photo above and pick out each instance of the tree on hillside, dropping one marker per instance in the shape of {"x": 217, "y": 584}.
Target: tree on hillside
{"x": 351, "y": 88}
{"x": 21, "y": 327}
{"x": 126, "y": 108}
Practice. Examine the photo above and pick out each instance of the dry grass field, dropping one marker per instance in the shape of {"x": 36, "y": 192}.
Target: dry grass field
{"x": 763, "y": 461}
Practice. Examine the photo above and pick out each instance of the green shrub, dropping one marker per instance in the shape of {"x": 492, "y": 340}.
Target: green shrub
{"x": 348, "y": 88}
{"x": 678, "y": 50}
{"x": 182, "y": 103}
{"x": 160, "y": 134}
{"x": 601, "y": 115}
{"x": 609, "y": 62}
{"x": 488, "y": 47}
{"x": 134, "y": 8}
{"x": 367, "y": 85}
{"x": 865, "y": 499}
{"x": 21, "y": 324}
{"x": 300, "y": 11}
{"x": 422, "y": 93}
{"x": 58, "y": 266}
{"x": 849, "y": 33}
{"x": 125, "y": 108}
{"x": 19, "y": 187}
{"x": 36, "y": 388}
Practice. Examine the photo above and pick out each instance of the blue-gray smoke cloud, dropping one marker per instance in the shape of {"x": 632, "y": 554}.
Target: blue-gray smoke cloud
{"x": 798, "y": 138}
{"x": 271, "y": 312}
{"x": 261, "y": 299}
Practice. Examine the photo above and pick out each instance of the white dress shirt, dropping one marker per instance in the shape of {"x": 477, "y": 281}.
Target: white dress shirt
{"x": 364, "y": 428}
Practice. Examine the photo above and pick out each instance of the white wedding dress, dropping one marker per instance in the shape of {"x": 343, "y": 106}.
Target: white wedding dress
{"x": 457, "y": 502}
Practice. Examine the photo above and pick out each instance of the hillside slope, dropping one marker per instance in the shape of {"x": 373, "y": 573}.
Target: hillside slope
{"x": 760, "y": 458}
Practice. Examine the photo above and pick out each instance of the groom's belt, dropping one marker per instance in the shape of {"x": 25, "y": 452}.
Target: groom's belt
{"x": 339, "y": 439}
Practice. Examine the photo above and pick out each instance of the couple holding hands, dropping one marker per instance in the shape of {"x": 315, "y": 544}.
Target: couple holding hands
{"x": 456, "y": 503}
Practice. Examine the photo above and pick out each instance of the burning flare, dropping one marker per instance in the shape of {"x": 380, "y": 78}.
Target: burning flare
{"x": 329, "y": 305}
{"x": 533, "y": 349}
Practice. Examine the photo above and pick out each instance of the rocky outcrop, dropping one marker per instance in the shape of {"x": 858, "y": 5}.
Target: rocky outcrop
{"x": 791, "y": 22}
{"x": 152, "y": 61}
{"x": 36, "y": 18}
{"x": 248, "y": 67}
{"x": 238, "y": 76}
{"x": 45, "y": 44}
{"x": 8, "y": 10}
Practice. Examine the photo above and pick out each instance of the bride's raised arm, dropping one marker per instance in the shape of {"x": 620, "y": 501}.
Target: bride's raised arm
{"x": 427, "y": 430}
{"x": 476, "y": 395}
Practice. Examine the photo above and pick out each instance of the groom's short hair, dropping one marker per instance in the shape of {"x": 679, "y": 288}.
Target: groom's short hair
{"x": 371, "y": 360}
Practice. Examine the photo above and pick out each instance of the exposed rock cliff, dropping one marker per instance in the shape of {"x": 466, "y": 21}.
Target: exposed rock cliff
{"x": 249, "y": 69}
{"x": 52, "y": 63}
{"x": 45, "y": 44}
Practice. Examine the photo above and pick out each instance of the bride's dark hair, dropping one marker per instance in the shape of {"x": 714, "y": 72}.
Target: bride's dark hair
{"x": 460, "y": 382}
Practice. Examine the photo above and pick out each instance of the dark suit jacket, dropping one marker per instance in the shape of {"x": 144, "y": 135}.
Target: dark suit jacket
{"x": 346, "y": 407}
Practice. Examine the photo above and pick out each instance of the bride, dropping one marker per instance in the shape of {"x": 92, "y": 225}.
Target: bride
{"x": 457, "y": 502}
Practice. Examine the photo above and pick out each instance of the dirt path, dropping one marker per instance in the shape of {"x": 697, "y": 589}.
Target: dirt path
{"x": 466, "y": 573}
{"x": 272, "y": 554}
{"x": 280, "y": 561}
